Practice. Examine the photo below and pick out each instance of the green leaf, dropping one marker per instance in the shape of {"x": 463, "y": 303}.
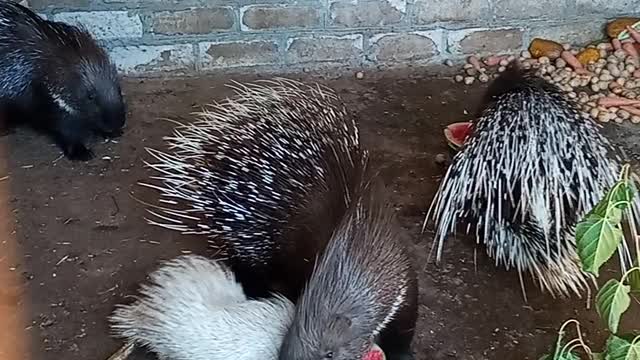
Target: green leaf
{"x": 599, "y": 233}
{"x": 619, "y": 197}
{"x": 622, "y": 348}
{"x": 597, "y": 240}
{"x": 612, "y": 301}
{"x": 597, "y": 356}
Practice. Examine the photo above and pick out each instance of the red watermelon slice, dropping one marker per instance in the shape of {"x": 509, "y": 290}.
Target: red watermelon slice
{"x": 457, "y": 133}
{"x": 375, "y": 353}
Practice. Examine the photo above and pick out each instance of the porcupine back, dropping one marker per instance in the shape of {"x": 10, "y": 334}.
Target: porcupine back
{"x": 268, "y": 173}
{"x": 361, "y": 283}
{"x": 532, "y": 167}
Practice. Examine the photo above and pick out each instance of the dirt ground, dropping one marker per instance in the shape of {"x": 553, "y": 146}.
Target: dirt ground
{"x": 83, "y": 243}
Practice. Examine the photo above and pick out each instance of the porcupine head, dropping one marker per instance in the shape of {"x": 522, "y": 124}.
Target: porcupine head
{"x": 337, "y": 330}
{"x": 352, "y": 293}
{"x": 87, "y": 87}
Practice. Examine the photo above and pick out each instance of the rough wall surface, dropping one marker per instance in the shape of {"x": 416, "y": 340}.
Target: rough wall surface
{"x": 188, "y": 36}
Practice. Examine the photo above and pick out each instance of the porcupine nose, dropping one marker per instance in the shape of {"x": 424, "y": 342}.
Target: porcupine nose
{"x": 114, "y": 117}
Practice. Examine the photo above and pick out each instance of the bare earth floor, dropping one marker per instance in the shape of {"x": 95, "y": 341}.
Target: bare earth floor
{"x": 84, "y": 244}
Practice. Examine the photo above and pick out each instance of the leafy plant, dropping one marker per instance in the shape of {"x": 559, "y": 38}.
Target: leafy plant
{"x": 598, "y": 236}
{"x": 562, "y": 351}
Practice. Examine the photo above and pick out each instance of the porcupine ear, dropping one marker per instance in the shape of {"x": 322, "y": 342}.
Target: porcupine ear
{"x": 512, "y": 79}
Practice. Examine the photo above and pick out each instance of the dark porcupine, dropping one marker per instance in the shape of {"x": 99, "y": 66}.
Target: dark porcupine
{"x": 270, "y": 175}
{"x": 58, "y": 80}
{"x": 533, "y": 166}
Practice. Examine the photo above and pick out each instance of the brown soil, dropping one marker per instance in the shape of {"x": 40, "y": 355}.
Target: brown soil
{"x": 83, "y": 244}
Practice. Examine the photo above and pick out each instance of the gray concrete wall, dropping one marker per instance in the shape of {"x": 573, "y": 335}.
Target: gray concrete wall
{"x": 187, "y": 36}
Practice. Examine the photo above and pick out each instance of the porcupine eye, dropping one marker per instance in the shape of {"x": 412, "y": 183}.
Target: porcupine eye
{"x": 329, "y": 355}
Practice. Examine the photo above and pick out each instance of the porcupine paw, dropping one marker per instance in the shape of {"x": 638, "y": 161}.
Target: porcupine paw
{"x": 78, "y": 152}
{"x": 113, "y": 134}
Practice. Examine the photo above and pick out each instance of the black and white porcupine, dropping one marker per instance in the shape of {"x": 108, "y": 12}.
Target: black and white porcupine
{"x": 533, "y": 166}
{"x": 273, "y": 175}
{"x": 55, "y": 78}
{"x": 194, "y": 309}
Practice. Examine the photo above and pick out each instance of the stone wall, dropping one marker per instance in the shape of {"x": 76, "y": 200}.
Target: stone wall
{"x": 187, "y": 36}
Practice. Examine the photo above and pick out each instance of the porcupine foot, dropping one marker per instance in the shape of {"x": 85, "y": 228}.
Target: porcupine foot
{"x": 78, "y": 152}
{"x": 74, "y": 149}
{"x": 113, "y": 134}
{"x": 71, "y": 140}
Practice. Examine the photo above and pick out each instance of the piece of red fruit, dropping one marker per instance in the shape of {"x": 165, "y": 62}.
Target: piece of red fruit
{"x": 457, "y": 133}
{"x": 375, "y": 353}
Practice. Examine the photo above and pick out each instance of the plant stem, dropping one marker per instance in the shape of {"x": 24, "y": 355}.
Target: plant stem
{"x": 636, "y": 239}
{"x": 568, "y": 347}
{"x": 626, "y": 274}
{"x": 574, "y": 343}
{"x": 624, "y": 173}
{"x": 566, "y": 323}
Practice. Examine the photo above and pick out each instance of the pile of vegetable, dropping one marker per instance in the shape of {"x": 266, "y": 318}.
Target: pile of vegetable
{"x": 603, "y": 77}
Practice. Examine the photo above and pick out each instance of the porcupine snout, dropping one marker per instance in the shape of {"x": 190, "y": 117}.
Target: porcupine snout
{"x": 99, "y": 95}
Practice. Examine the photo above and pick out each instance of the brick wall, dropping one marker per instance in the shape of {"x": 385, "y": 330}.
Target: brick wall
{"x": 187, "y": 36}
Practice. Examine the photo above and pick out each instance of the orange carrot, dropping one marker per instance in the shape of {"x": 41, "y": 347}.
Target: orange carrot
{"x": 631, "y": 110}
{"x": 630, "y": 49}
{"x": 571, "y": 60}
{"x": 610, "y": 101}
{"x": 616, "y": 44}
{"x": 635, "y": 35}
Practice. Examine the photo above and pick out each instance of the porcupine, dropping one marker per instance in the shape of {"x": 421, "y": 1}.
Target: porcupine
{"x": 531, "y": 168}
{"x": 194, "y": 309}
{"x": 269, "y": 175}
{"x": 57, "y": 79}
{"x": 331, "y": 322}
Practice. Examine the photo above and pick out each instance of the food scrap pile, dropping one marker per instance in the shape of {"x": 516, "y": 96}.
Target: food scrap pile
{"x": 604, "y": 77}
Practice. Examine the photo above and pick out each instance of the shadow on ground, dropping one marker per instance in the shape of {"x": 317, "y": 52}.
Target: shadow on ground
{"x": 85, "y": 244}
